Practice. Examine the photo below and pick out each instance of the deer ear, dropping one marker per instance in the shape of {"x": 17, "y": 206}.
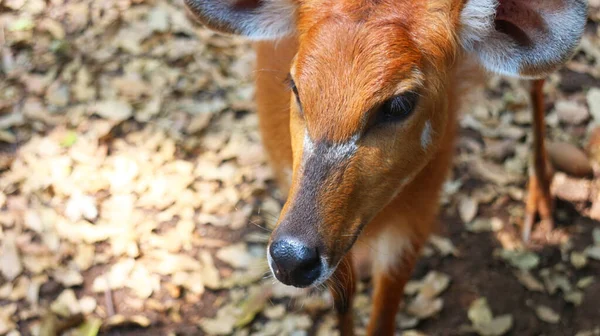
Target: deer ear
{"x": 256, "y": 19}
{"x": 523, "y": 38}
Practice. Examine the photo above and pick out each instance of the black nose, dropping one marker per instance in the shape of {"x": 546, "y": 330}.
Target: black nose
{"x": 294, "y": 263}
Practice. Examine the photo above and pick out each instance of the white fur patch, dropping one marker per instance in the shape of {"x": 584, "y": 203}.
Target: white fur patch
{"x": 272, "y": 19}
{"x": 553, "y": 41}
{"x": 426, "y": 135}
{"x": 275, "y": 19}
{"x": 477, "y": 21}
{"x": 390, "y": 246}
{"x": 308, "y": 146}
{"x": 478, "y": 35}
{"x": 343, "y": 150}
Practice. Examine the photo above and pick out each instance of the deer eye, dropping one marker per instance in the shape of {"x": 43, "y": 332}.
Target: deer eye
{"x": 292, "y": 85}
{"x": 398, "y": 108}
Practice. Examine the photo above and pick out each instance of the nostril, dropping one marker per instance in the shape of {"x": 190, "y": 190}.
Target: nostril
{"x": 293, "y": 254}
{"x": 294, "y": 262}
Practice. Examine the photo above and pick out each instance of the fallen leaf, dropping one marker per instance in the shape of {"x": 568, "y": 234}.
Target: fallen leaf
{"x": 120, "y": 320}
{"x": 252, "y": 305}
{"x": 6, "y": 314}
{"x": 433, "y": 285}
{"x": 424, "y": 308}
{"x": 484, "y": 322}
{"x": 479, "y": 312}
{"x": 574, "y": 297}
{"x": 578, "y": 260}
{"x": 485, "y": 225}
{"x": 593, "y": 100}
{"x": 523, "y": 260}
{"x": 546, "y": 314}
{"x": 585, "y": 282}
{"x": 68, "y": 277}
{"x": 443, "y": 245}
{"x": 66, "y": 304}
{"x": 235, "y": 255}
{"x": 529, "y": 281}
{"x": 596, "y": 236}
{"x": 569, "y": 159}
{"x": 593, "y": 252}
{"x": 571, "y": 112}
{"x": 113, "y": 110}
{"x": 10, "y": 262}
{"x": 222, "y": 324}
{"x": 90, "y": 327}
{"x": 467, "y": 208}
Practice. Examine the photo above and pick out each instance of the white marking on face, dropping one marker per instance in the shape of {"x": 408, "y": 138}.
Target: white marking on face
{"x": 426, "y": 135}
{"x": 342, "y": 151}
{"x": 309, "y": 145}
{"x": 334, "y": 153}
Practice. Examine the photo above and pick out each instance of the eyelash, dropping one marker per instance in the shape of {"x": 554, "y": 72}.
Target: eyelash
{"x": 292, "y": 85}
{"x": 398, "y": 108}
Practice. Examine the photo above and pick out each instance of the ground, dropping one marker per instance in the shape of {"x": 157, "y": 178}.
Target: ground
{"x": 135, "y": 198}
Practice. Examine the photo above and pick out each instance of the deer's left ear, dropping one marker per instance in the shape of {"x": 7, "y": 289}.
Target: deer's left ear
{"x": 523, "y": 38}
{"x": 255, "y": 19}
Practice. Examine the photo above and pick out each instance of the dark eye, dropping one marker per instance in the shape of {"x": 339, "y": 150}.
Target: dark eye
{"x": 398, "y": 108}
{"x": 294, "y": 88}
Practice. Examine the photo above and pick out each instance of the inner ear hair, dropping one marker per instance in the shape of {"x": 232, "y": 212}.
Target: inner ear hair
{"x": 523, "y": 38}
{"x": 255, "y": 19}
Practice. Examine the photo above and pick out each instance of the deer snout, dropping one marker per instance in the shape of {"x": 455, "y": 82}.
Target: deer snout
{"x": 294, "y": 263}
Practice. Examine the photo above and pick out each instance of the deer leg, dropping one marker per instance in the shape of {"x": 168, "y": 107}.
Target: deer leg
{"x": 539, "y": 199}
{"x": 343, "y": 286}
{"x": 389, "y": 291}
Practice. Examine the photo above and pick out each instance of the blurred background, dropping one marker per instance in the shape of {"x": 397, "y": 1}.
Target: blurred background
{"x": 135, "y": 198}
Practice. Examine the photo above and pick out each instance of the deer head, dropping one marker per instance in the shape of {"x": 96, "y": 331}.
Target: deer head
{"x": 368, "y": 102}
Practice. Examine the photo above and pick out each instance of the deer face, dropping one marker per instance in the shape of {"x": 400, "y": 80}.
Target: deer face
{"x": 368, "y": 99}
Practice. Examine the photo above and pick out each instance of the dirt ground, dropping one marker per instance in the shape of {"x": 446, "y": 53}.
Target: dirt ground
{"x": 135, "y": 198}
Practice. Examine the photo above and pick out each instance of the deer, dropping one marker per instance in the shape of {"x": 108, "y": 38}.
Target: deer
{"x": 358, "y": 103}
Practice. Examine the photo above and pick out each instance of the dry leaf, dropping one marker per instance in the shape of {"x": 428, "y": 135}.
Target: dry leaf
{"x": 529, "y": 281}
{"x": 593, "y": 99}
{"x": 113, "y": 110}
{"x": 424, "y": 308}
{"x": 484, "y": 322}
{"x": 444, "y": 245}
{"x": 523, "y": 260}
{"x": 10, "y": 262}
{"x": 546, "y": 314}
{"x": 467, "y": 208}
{"x": 235, "y": 255}
{"x": 578, "y": 260}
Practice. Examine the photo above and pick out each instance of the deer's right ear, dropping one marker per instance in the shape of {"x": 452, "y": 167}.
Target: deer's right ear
{"x": 523, "y": 38}
{"x": 255, "y": 19}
